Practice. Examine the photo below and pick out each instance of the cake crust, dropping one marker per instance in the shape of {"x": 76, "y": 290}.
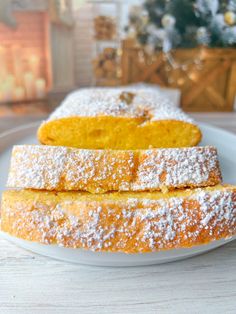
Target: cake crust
{"x": 121, "y": 222}
{"x": 98, "y": 171}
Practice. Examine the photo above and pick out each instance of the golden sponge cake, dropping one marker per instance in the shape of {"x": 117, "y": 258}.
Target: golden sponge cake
{"x": 115, "y": 119}
{"x": 121, "y": 222}
{"x": 98, "y": 171}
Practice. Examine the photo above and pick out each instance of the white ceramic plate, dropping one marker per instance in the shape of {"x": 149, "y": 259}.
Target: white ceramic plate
{"x": 226, "y": 145}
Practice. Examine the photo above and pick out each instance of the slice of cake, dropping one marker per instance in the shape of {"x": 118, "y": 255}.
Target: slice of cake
{"x": 98, "y": 171}
{"x": 121, "y": 222}
{"x": 115, "y": 119}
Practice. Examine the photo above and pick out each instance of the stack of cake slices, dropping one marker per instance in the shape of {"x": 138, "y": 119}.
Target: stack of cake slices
{"x": 118, "y": 172}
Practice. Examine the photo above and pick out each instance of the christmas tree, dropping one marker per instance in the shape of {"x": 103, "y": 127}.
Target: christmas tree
{"x": 167, "y": 24}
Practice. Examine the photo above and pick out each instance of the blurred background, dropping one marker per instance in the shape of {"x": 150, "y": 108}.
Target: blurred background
{"x": 184, "y": 48}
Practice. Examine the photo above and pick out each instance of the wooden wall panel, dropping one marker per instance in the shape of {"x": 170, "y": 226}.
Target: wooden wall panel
{"x": 213, "y": 88}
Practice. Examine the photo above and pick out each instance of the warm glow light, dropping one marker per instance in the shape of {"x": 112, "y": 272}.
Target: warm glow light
{"x": 24, "y": 81}
{"x": 17, "y": 63}
{"x": 193, "y": 76}
{"x": 7, "y": 91}
{"x": 3, "y": 63}
{"x": 202, "y": 54}
{"x": 19, "y": 94}
{"x": 29, "y": 84}
{"x": 180, "y": 81}
{"x": 34, "y": 62}
{"x": 40, "y": 88}
{"x": 10, "y": 81}
{"x": 1, "y": 96}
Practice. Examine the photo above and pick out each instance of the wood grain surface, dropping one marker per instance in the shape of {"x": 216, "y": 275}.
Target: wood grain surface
{"x": 34, "y": 284}
{"x": 212, "y": 88}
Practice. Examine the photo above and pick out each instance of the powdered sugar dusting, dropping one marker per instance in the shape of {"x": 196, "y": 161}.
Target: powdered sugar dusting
{"x": 107, "y": 102}
{"x": 131, "y": 225}
{"x": 62, "y": 168}
{"x": 177, "y": 167}
{"x": 36, "y": 168}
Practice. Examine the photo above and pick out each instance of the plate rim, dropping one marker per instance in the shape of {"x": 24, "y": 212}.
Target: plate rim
{"x": 91, "y": 258}
{"x": 19, "y": 128}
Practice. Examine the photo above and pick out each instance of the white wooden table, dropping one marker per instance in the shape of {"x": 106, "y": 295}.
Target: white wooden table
{"x": 34, "y": 284}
